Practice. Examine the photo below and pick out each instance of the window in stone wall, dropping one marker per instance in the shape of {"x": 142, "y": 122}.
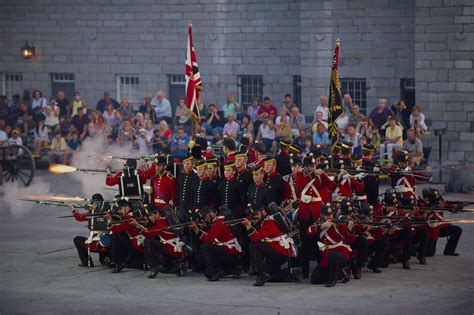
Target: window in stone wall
{"x": 127, "y": 88}
{"x": 12, "y": 83}
{"x": 356, "y": 87}
{"x": 297, "y": 90}
{"x": 249, "y": 87}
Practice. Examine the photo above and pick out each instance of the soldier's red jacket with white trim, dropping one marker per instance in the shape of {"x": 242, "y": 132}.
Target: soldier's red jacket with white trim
{"x": 270, "y": 233}
{"x": 221, "y": 234}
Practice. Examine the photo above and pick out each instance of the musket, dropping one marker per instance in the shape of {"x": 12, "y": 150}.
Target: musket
{"x": 57, "y": 203}
{"x": 127, "y": 220}
{"x": 99, "y": 214}
{"x": 138, "y": 158}
{"x": 176, "y": 226}
{"x": 428, "y": 209}
{"x": 379, "y": 172}
{"x": 62, "y": 169}
{"x": 455, "y": 202}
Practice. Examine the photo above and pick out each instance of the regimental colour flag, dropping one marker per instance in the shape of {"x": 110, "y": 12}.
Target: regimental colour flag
{"x": 335, "y": 100}
{"x": 193, "y": 77}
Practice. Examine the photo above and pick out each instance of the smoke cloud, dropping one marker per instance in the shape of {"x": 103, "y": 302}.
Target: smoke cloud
{"x": 12, "y": 191}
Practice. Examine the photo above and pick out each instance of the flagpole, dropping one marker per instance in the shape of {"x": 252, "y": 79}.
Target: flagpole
{"x": 193, "y": 118}
{"x": 331, "y": 145}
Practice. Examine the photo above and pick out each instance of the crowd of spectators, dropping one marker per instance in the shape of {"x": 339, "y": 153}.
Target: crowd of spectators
{"x": 57, "y": 127}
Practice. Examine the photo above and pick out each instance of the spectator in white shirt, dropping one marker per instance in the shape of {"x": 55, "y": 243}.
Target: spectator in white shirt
{"x": 41, "y": 136}
{"x": 417, "y": 120}
{"x": 352, "y": 136}
{"x": 162, "y": 107}
{"x": 266, "y": 133}
{"x": 39, "y": 104}
{"x": 323, "y": 108}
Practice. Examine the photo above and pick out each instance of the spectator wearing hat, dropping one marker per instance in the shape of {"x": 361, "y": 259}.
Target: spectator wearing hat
{"x": 162, "y": 107}
{"x": 102, "y": 103}
{"x": 15, "y": 138}
{"x": 393, "y": 140}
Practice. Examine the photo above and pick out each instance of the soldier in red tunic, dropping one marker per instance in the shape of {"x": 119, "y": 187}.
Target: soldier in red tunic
{"x": 163, "y": 185}
{"x": 333, "y": 244}
{"x": 271, "y": 247}
{"x": 221, "y": 249}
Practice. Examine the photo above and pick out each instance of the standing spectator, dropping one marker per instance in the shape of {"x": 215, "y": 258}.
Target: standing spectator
{"x": 166, "y": 132}
{"x": 288, "y": 102}
{"x": 38, "y": 105}
{"x": 102, "y": 103}
{"x": 393, "y": 140}
{"x": 379, "y": 115}
{"x": 231, "y": 128}
{"x": 352, "y": 136}
{"x": 321, "y": 139}
{"x": 230, "y": 107}
{"x": 417, "y": 120}
{"x": 41, "y": 136}
{"x": 266, "y": 132}
{"x": 162, "y": 107}
{"x": 126, "y": 109}
{"x": 109, "y": 114}
{"x": 414, "y": 146}
{"x": 356, "y": 116}
{"x": 52, "y": 114}
{"x": 347, "y": 104}
{"x": 59, "y": 149}
{"x": 63, "y": 103}
{"x": 267, "y": 111}
{"x": 179, "y": 144}
{"x": 80, "y": 122}
{"x": 399, "y": 109}
{"x": 297, "y": 121}
{"x": 147, "y": 108}
{"x": 214, "y": 124}
{"x": 182, "y": 116}
{"x": 322, "y": 107}
{"x": 78, "y": 102}
{"x": 252, "y": 111}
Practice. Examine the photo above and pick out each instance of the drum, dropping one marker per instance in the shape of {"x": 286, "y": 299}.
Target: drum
{"x": 104, "y": 240}
{"x": 282, "y": 222}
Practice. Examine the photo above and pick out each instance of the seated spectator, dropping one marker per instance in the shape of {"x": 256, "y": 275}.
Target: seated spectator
{"x": 4, "y": 109}
{"x": 230, "y": 107}
{"x": 92, "y": 131}
{"x": 246, "y": 127}
{"x": 322, "y": 108}
{"x": 26, "y": 98}
{"x": 77, "y": 103}
{"x": 63, "y": 104}
{"x": 214, "y": 123}
{"x": 41, "y": 137}
{"x": 358, "y": 149}
{"x": 266, "y": 132}
{"x": 283, "y": 130}
{"x": 393, "y": 141}
{"x": 157, "y": 142}
{"x": 414, "y": 146}
{"x": 3, "y": 134}
{"x": 308, "y": 146}
{"x": 182, "y": 116}
{"x": 399, "y": 108}
{"x": 362, "y": 126}
{"x": 140, "y": 121}
{"x": 417, "y": 120}
{"x": 300, "y": 140}
{"x": 352, "y": 136}
{"x": 126, "y": 133}
{"x": 321, "y": 139}
{"x": 149, "y": 130}
{"x": 52, "y": 113}
{"x": 297, "y": 121}
{"x": 109, "y": 114}
{"x": 73, "y": 142}
{"x": 147, "y": 108}
{"x": 166, "y": 132}
{"x": 24, "y": 119}
{"x": 15, "y": 104}
{"x": 144, "y": 146}
{"x": 58, "y": 151}
{"x": 379, "y": 115}
{"x": 253, "y": 109}
{"x": 356, "y": 116}
{"x": 347, "y": 104}
{"x": 64, "y": 126}
{"x": 282, "y": 113}
{"x": 38, "y": 105}
{"x": 267, "y": 110}
{"x": 288, "y": 103}
{"x": 318, "y": 119}
{"x": 97, "y": 120}
{"x": 162, "y": 107}
{"x": 118, "y": 122}
{"x": 102, "y": 103}
{"x": 126, "y": 109}
{"x": 202, "y": 108}
{"x": 80, "y": 122}
{"x": 179, "y": 144}
{"x": 15, "y": 138}
{"x": 342, "y": 122}
{"x": 231, "y": 128}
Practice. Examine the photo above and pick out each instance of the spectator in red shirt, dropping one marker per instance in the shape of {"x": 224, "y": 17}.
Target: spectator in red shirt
{"x": 267, "y": 110}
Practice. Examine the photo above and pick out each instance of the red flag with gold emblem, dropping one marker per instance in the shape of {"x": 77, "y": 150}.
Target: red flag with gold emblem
{"x": 193, "y": 77}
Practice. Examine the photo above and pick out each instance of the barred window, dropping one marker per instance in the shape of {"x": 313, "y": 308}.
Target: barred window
{"x": 249, "y": 87}
{"x": 127, "y": 88}
{"x": 62, "y": 77}
{"x": 12, "y": 83}
{"x": 356, "y": 88}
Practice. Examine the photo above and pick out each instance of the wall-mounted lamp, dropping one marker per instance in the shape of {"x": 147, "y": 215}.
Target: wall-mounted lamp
{"x": 27, "y": 51}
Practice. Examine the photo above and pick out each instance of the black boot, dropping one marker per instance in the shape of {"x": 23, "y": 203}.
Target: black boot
{"x": 450, "y": 253}
{"x": 181, "y": 270}
{"x": 118, "y": 268}
{"x": 346, "y": 275}
{"x": 261, "y": 279}
{"x": 374, "y": 268}
{"x": 422, "y": 260}
{"x": 357, "y": 273}
{"x": 406, "y": 264}
{"x": 154, "y": 272}
{"x": 237, "y": 272}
